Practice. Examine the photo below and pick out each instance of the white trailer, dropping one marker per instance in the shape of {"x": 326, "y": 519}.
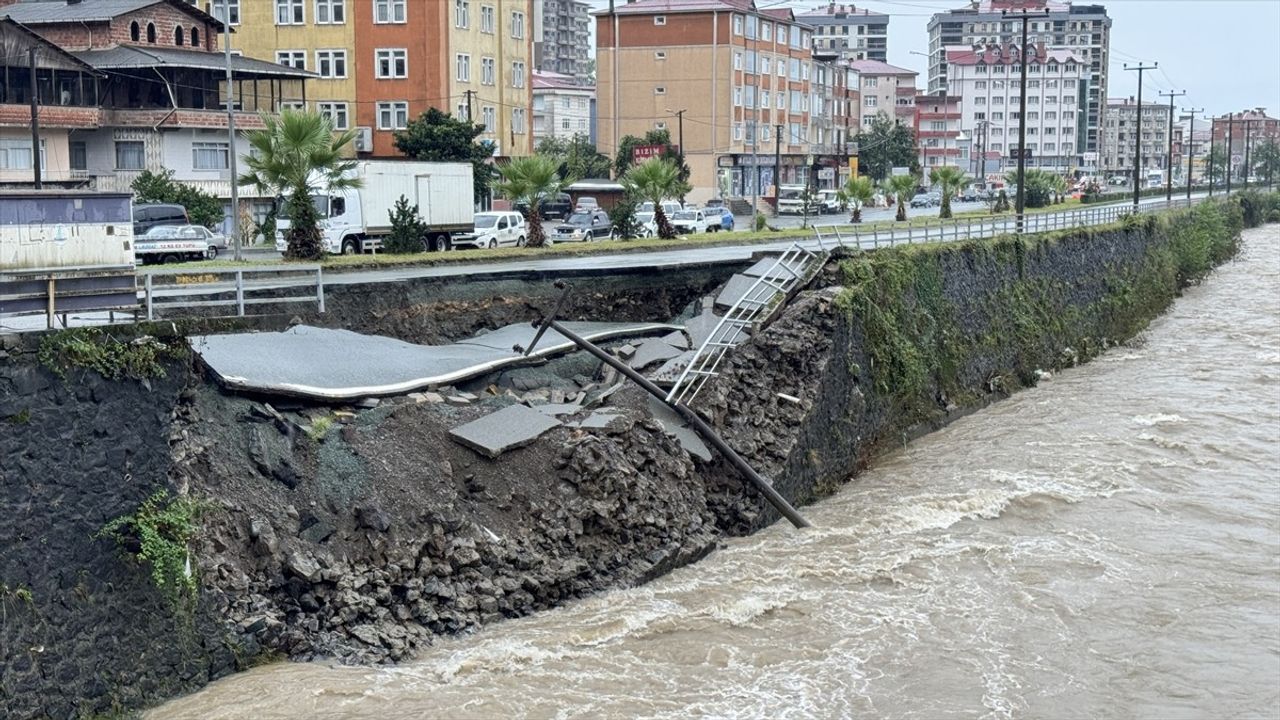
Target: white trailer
{"x": 356, "y": 220}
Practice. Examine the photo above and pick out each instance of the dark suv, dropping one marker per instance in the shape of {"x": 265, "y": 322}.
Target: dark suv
{"x": 149, "y": 215}
{"x": 560, "y": 206}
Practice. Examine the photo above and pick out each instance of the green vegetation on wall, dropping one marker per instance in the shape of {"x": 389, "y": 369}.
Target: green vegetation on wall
{"x": 158, "y": 533}
{"x": 113, "y": 358}
{"x": 919, "y": 349}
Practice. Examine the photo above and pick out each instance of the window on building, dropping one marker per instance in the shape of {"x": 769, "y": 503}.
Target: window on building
{"x": 135, "y": 32}
{"x": 462, "y": 67}
{"x": 737, "y": 25}
{"x": 489, "y": 118}
{"x": 391, "y": 63}
{"x": 336, "y": 112}
{"x": 289, "y": 12}
{"x": 656, "y": 126}
{"x": 659, "y": 19}
{"x": 764, "y": 66}
{"x": 980, "y": 85}
{"x": 870, "y": 82}
{"x": 486, "y": 19}
{"x": 764, "y": 99}
{"x": 870, "y": 101}
{"x": 517, "y": 25}
{"x": 737, "y": 61}
{"x": 210, "y": 156}
{"x": 737, "y": 96}
{"x": 195, "y": 37}
{"x": 979, "y": 116}
{"x": 393, "y": 115}
{"x": 488, "y": 71}
{"x": 737, "y": 131}
{"x": 228, "y": 11}
{"x": 517, "y": 74}
{"x": 766, "y": 31}
{"x": 937, "y": 125}
{"x": 151, "y": 33}
{"x": 749, "y": 96}
{"x": 389, "y": 11}
{"x": 179, "y": 36}
{"x": 795, "y": 37}
{"x": 331, "y": 63}
{"x": 292, "y": 58}
{"x": 660, "y": 90}
{"x": 331, "y": 12}
{"x": 659, "y": 55}
{"x": 753, "y": 27}
{"x": 79, "y": 151}
{"x": 795, "y": 69}
{"x": 130, "y": 155}
{"x": 518, "y": 121}
{"x": 462, "y": 14}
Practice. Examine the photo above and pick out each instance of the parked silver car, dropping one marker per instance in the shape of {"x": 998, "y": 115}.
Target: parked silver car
{"x": 217, "y": 242}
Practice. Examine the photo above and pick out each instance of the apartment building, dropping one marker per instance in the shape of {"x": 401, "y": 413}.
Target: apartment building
{"x": 382, "y": 63}
{"x": 1122, "y": 134}
{"x": 134, "y": 86}
{"x": 747, "y": 80}
{"x": 1247, "y": 130}
{"x": 1085, "y": 30}
{"x": 561, "y": 107}
{"x": 562, "y": 39}
{"x": 852, "y": 32}
{"x": 885, "y": 90}
{"x": 939, "y": 135}
{"x": 988, "y": 82}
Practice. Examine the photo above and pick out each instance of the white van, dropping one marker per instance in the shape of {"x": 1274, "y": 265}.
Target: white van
{"x": 495, "y": 229}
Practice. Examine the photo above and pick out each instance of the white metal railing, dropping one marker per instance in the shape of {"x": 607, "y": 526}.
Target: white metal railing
{"x": 238, "y": 287}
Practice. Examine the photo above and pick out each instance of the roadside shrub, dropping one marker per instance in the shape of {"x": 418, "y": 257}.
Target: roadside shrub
{"x": 1258, "y": 207}
{"x": 203, "y": 208}
{"x": 623, "y": 218}
{"x": 407, "y": 228}
{"x": 158, "y": 534}
{"x": 762, "y": 222}
{"x": 92, "y": 349}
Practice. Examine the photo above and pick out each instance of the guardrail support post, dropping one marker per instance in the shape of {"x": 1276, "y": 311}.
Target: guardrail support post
{"x": 51, "y": 287}
{"x": 320, "y": 288}
{"x": 147, "y": 284}
{"x": 240, "y": 293}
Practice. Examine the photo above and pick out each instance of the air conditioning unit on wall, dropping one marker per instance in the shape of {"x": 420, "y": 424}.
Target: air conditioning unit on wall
{"x": 364, "y": 139}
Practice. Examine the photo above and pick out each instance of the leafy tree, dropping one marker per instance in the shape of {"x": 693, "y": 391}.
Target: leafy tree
{"x": 884, "y": 146}
{"x": 296, "y": 153}
{"x": 628, "y": 144}
{"x": 655, "y": 180}
{"x": 203, "y": 208}
{"x": 436, "y": 136}
{"x": 529, "y": 181}
{"x": 857, "y": 191}
{"x": 1002, "y": 202}
{"x": 949, "y": 180}
{"x": 1040, "y": 186}
{"x": 407, "y": 228}
{"x": 1266, "y": 160}
{"x": 623, "y": 218}
{"x": 577, "y": 156}
{"x": 901, "y": 187}
{"x": 1216, "y": 164}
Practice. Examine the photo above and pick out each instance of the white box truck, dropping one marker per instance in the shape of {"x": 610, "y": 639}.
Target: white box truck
{"x": 356, "y": 220}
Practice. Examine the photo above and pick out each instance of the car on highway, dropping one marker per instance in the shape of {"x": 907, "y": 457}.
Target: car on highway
{"x": 216, "y": 242}
{"x": 150, "y": 215}
{"x": 645, "y": 216}
{"x": 584, "y": 227}
{"x": 829, "y": 202}
{"x": 925, "y": 200}
{"x": 697, "y": 221}
{"x": 494, "y": 229}
{"x": 726, "y": 219}
{"x": 586, "y": 204}
{"x": 552, "y": 208}
{"x": 176, "y": 243}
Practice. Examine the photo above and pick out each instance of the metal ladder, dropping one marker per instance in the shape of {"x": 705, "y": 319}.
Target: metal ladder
{"x": 794, "y": 267}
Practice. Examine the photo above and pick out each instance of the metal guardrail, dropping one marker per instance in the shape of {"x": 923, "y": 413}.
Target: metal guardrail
{"x": 241, "y": 283}
{"x": 964, "y": 228}
{"x": 55, "y": 292}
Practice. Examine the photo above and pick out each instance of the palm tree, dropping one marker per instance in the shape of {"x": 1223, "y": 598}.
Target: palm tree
{"x": 901, "y": 187}
{"x": 296, "y": 154}
{"x": 949, "y": 179}
{"x": 857, "y": 190}
{"x": 655, "y": 180}
{"x": 529, "y": 181}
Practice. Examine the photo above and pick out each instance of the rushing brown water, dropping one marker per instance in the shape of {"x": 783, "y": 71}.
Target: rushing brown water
{"x": 1106, "y": 545}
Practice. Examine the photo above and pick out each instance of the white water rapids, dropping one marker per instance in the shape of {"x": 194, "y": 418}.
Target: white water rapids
{"x": 1106, "y": 545}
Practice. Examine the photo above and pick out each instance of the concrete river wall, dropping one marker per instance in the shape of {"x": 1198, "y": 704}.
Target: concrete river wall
{"x": 253, "y": 532}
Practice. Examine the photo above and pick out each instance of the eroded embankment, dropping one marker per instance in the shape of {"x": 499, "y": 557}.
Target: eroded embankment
{"x": 362, "y": 536}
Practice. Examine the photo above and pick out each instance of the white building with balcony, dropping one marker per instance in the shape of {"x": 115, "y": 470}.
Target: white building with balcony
{"x": 561, "y": 107}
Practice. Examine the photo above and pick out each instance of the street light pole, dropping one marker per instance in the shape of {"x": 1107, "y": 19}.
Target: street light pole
{"x": 1137, "y": 138}
{"x": 1191, "y": 147}
{"x": 231, "y": 134}
{"x": 1020, "y": 207}
{"x": 1168, "y": 161}
{"x": 1231, "y": 127}
{"x": 1248, "y": 127}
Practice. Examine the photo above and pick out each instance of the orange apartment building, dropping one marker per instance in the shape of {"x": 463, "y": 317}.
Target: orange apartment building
{"x": 747, "y": 81}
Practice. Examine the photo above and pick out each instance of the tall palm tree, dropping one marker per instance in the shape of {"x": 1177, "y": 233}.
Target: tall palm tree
{"x": 655, "y": 180}
{"x": 857, "y": 190}
{"x": 529, "y": 181}
{"x": 949, "y": 179}
{"x": 296, "y": 154}
{"x": 901, "y": 187}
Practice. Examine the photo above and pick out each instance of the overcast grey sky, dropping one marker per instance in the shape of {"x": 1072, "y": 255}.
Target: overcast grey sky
{"x": 1224, "y": 53}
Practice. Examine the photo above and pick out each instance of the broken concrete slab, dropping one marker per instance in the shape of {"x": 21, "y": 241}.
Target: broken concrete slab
{"x": 676, "y": 339}
{"x": 652, "y": 351}
{"x": 744, "y": 288}
{"x": 671, "y": 369}
{"x": 597, "y": 421}
{"x": 625, "y": 351}
{"x": 701, "y": 327}
{"x": 675, "y": 426}
{"x": 511, "y": 427}
{"x": 554, "y": 409}
{"x": 769, "y": 267}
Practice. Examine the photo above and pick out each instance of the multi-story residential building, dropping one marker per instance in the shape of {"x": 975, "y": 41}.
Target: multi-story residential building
{"x": 1083, "y": 29}
{"x": 988, "y": 82}
{"x": 885, "y": 90}
{"x": 1246, "y": 129}
{"x": 562, "y": 42}
{"x": 852, "y": 32}
{"x": 132, "y": 85}
{"x": 746, "y": 79}
{"x": 937, "y": 125}
{"x": 561, "y": 107}
{"x": 1122, "y": 135}
{"x": 384, "y": 62}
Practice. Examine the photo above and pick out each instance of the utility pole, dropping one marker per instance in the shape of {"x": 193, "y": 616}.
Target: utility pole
{"x": 1137, "y": 138}
{"x": 468, "y": 94}
{"x": 1022, "y": 118}
{"x": 777, "y": 159}
{"x": 1168, "y": 161}
{"x": 35, "y": 124}
{"x": 680, "y": 129}
{"x": 1231, "y": 126}
{"x": 1191, "y": 148}
{"x": 231, "y": 137}
{"x": 1248, "y": 127}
